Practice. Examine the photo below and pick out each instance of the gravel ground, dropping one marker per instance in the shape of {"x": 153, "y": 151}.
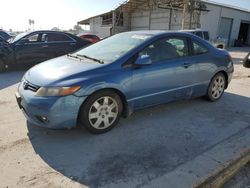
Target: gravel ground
{"x": 149, "y": 144}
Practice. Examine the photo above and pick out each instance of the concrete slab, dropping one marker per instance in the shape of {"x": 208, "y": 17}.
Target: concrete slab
{"x": 204, "y": 170}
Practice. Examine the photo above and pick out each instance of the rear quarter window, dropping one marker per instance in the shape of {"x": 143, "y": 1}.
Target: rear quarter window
{"x": 198, "y": 48}
{"x": 54, "y": 37}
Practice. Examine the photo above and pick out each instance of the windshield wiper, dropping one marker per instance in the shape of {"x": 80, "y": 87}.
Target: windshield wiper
{"x": 91, "y": 58}
{"x": 73, "y": 56}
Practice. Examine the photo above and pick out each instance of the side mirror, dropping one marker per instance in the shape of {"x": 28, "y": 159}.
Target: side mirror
{"x": 246, "y": 61}
{"x": 143, "y": 60}
{"x": 23, "y": 41}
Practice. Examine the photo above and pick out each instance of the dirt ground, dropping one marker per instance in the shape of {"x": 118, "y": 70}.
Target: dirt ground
{"x": 239, "y": 53}
{"x": 147, "y": 145}
{"x": 241, "y": 179}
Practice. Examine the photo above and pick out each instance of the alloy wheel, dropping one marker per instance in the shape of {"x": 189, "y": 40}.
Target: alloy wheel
{"x": 103, "y": 112}
{"x": 218, "y": 87}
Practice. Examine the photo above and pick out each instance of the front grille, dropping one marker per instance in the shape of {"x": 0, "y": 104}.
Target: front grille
{"x": 29, "y": 86}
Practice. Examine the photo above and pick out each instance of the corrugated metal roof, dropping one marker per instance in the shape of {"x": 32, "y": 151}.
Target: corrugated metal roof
{"x": 86, "y": 21}
{"x": 130, "y": 5}
{"x": 226, "y": 5}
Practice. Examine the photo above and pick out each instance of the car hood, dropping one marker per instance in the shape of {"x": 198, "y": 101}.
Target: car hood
{"x": 61, "y": 71}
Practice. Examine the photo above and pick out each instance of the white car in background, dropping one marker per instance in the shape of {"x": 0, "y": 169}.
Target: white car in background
{"x": 218, "y": 42}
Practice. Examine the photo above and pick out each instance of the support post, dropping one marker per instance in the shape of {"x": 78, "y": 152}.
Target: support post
{"x": 170, "y": 19}
{"x": 183, "y": 15}
{"x": 113, "y": 23}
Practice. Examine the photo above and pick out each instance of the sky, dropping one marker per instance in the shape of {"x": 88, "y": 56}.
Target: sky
{"x": 64, "y": 14}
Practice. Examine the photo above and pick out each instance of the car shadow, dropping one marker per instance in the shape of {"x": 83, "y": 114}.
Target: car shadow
{"x": 10, "y": 78}
{"x": 147, "y": 145}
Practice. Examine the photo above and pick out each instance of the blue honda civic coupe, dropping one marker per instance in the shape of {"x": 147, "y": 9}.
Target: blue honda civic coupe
{"x": 97, "y": 85}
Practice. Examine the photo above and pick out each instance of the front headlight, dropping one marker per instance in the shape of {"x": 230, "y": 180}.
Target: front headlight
{"x": 56, "y": 91}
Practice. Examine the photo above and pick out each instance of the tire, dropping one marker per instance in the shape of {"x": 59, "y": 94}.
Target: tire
{"x": 2, "y": 66}
{"x": 101, "y": 112}
{"x": 220, "y": 46}
{"x": 216, "y": 87}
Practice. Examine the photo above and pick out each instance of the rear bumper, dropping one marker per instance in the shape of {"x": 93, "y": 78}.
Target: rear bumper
{"x": 50, "y": 112}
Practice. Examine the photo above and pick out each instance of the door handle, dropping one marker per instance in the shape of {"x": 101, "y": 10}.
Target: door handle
{"x": 72, "y": 44}
{"x": 45, "y": 46}
{"x": 186, "y": 65}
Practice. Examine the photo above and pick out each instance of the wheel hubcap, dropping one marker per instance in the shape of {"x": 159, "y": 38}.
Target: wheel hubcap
{"x": 103, "y": 112}
{"x": 218, "y": 87}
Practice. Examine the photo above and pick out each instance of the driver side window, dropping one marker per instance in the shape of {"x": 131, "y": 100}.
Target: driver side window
{"x": 33, "y": 38}
{"x": 166, "y": 49}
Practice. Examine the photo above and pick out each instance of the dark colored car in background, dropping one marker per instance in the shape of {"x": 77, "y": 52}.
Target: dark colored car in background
{"x": 246, "y": 61}
{"x": 35, "y": 47}
{"x": 4, "y": 35}
{"x": 3, "y": 51}
{"x": 90, "y": 37}
{"x": 2, "y": 41}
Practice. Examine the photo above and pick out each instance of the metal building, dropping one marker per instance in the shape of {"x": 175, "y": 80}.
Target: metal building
{"x": 222, "y": 21}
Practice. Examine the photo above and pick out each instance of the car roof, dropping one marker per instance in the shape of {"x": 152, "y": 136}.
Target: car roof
{"x": 192, "y": 30}
{"x": 155, "y": 33}
{"x": 162, "y": 32}
{"x": 44, "y": 31}
{"x": 86, "y": 34}
{"x": 151, "y": 32}
{"x": 50, "y": 31}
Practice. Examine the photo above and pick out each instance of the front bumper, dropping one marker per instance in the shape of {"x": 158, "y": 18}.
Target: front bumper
{"x": 230, "y": 71}
{"x": 49, "y": 112}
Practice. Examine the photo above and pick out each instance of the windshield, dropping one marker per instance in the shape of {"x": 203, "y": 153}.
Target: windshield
{"x": 14, "y": 39}
{"x": 113, "y": 47}
{"x": 4, "y": 35}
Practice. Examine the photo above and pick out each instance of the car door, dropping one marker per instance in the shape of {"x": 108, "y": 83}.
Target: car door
{"x": 203, "y": 61}
{"x": 60, "y": 43}
{"x": 168, "y": 78}
{"x": 30, "y": 50}
{"x": 2, "y": 47}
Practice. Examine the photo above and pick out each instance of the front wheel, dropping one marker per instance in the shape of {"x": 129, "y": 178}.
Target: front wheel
{"x": 101, "y": 112}
{"x": 2, "y": 66}
{"x": 216, "y": 87}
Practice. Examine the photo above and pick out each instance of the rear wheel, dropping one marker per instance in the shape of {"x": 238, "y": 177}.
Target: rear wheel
{"x": 216, "y": 87}
{"x": 101, "y": 112}
{"x": 220, "y": 46}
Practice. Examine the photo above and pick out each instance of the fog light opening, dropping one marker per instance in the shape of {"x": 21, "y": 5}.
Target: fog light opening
{"x": 42, "y": 119}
